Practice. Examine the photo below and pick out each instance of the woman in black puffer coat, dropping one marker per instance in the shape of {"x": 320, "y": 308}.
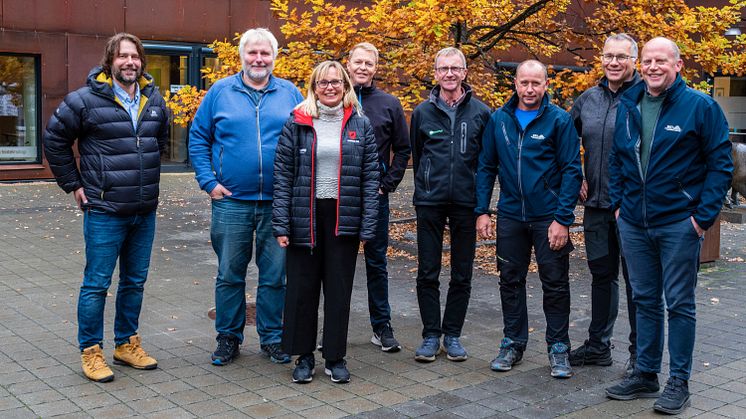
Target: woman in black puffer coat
{"x": 325, "y": 203}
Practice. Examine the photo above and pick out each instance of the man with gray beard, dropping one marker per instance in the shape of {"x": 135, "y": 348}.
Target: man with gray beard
{"x": 232, "y": 148}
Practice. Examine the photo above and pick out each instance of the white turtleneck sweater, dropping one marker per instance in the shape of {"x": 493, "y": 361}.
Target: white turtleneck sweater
{"x": 328, "y": 128}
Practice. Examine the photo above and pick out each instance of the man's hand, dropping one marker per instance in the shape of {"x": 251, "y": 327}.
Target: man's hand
{"x": 283, "y": 241}
{"x": 583, "y": 194}
{"x": 219, "y": 192}
{"x": 616, "y": 214}
{"x": 484, "y": 226}
{"x": 79, "y": 195}
{"x": 558, "y": 235}
{"x": 699, "y": 229}
{"x": 380, "y": 191}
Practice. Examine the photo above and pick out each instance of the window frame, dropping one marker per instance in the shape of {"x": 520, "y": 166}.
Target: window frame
{"x": 38, "y": 104}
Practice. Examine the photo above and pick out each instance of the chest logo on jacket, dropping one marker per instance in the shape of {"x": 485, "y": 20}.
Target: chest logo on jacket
{"x": 539, "y": 137}
{"x": 672, "y": 128}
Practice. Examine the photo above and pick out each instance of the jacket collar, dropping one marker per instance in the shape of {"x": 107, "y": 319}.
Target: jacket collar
{"x": 604, "y": 83}
{"x": 512, "y": 104}
{"x": 238, "y": 83}
{"x": 302, "y": 118}
{"x": 99, "y": 82}
{"x": 633, "y": 95}
{"x": 435, "y": 92}
{"x": 365, "y": 90}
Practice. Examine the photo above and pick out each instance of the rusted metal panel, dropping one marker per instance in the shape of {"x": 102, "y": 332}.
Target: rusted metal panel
{"x": 96, "y": 17}
{"x": 83, "y": 53}
{"x": 36, "y": 15}
{"x": 253, "y": 14}
{"x": 178, "y": 20}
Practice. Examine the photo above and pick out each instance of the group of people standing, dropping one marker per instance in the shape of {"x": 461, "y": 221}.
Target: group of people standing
{"x": 301, "y": 183}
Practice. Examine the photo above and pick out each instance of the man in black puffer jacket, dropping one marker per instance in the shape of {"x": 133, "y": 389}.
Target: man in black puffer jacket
{"x": 120, "y": 121}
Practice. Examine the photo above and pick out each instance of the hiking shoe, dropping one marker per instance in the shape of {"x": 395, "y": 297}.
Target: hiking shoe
{"x": 429, "y": 349}
{"x": 275, "y": 353}
{"x": 133, "y": 355}
{"x": 305, "y": 366}
{"x": 675, "y": 397}
{"x": 384, "y": 338}
{"x": 94, "y": 365}
{"x": 630, "y": 365}
{"x": 337, "y": 370}
{"x": 588, "y": 354}
{"x": 508, "y": 356}
{"x": 227, "y": 350}
{"x": 559, "y": 360}
{"x": 638, "y": 385}
{"x": 454, "y": 350}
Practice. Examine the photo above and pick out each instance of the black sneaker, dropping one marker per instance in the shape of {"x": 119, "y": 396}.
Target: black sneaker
{"x": 508, "y": 356}
{"x": 675, "y": 397}
{"x": 637, "y": 385}
{"x": 305, "y": 366}
{"x": 337, "y": 370}
{"x": 384, "y": 338}
{"x": 587, "y": 354}
{"x": 559, "y": 361}
{"x": 275, "y": 353}
{"x": 226, "y": 351}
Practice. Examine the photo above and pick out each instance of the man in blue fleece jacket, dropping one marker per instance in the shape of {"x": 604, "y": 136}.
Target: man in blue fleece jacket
{"x": 232, "y": 148}
{"x": 533, "y": 147}
{"x": 669, "y": 170}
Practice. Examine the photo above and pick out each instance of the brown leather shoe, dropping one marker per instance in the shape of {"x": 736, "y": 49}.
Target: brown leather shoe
{"x": 133, "y": 355}
{"x": 94, "y": 365}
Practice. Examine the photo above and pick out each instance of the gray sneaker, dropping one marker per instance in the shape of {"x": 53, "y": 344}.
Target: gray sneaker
{"x": 559, "y": 361}
{"x": 453, "y": 348}
{"x": 508, "y": 356}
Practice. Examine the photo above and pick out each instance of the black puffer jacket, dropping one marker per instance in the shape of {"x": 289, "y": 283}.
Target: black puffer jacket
{"x": 445, "y": 150}
{"x": 293, "y": 210}
{"x": 119, "y": 167}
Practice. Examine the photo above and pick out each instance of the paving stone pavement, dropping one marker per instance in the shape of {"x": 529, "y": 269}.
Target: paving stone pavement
{"x": 41, "y": 259}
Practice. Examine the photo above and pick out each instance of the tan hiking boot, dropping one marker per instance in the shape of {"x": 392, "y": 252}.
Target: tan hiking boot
{"x": 134, "y": 355}
{"x": 94, "y": 365}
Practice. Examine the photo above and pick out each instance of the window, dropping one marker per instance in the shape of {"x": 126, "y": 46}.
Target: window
{"x": 20, "y": 104}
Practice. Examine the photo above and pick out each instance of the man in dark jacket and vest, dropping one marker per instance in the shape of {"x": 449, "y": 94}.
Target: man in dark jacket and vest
{"x": 232, "y": 148}
{"x": 533, "y": 147}
{"x": 669, "y": 171}
{"x": 594, "y": 113}
{"x": 390, "y": 126}
{"x": 445, "y": 133}
{"x": 121, "y": 124}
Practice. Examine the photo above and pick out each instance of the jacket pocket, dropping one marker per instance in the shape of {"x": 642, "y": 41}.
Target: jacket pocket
{"x": 427, "y": 175}
{"x": 102, "y": 175}
{"x": 549, "y": 188}
{"x": 683, "y": 191}
{"x": 220, "y": 163}
{"x": 464, "y": 136}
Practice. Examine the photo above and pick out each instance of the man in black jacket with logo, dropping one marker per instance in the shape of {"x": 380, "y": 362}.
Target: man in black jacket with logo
{"x": 390, "y": 126}
{"x": 121, "y": 125}
{"x": 445, "y": 133}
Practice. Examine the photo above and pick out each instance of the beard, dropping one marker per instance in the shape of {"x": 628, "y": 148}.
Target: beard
{"x": 125, "y": 80}
{"x": 258, "y": 74}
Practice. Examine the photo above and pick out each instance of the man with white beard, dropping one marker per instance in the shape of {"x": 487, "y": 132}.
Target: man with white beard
{"x": 232, "y": 148}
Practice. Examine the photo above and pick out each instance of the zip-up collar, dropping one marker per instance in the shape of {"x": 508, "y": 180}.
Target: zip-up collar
{"x": 633, "y": 95}
{"x": 435, "y": 93}
{"x": 604, "y": 84}
{"x": 303, "y": 118}
{"x": 512, "y": 105}
{"x": 238, "y": 84}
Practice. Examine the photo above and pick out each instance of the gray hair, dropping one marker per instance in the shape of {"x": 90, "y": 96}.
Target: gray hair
{"x": 623, "y": 37}
{"x": 446, "y": 52}
{"x": 365, "y": 46}
{"x": 532, "y": 63}
{"x": 257, "y": 35}
{"x": 674, "y": 48}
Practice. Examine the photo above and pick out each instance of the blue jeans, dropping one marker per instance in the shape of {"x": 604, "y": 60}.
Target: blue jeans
{"x": 235, "y": 226}
{"x": 375, "y": 268}
{"x": 108, "y": 238}
{"x": 663, "y": 261}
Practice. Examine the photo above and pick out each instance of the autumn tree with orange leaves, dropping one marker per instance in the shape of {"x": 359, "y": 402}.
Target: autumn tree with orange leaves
{"x": 408, "y": 34}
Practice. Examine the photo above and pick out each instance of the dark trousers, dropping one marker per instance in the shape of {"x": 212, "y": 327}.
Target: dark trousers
{"x": 431, "y": 222}
{"x": 514, "y": 242}
{"x": 604, "y": 254}
{"x": 331, "y": 265}
{"x": 375, "y": 268}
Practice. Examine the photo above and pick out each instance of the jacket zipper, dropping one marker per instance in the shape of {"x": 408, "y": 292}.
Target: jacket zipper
{"x": 339, "y": 181}
{"x": 259, "y": 149}
{"x": 427, "y": 175}
{"x": 603, "y": 144}
{"x": 520, "y": 183}
{"x": 313, "y": 188}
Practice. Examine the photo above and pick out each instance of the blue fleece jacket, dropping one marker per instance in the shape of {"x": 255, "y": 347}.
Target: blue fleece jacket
{"x": 690, "y": 165}
{"x": 232, "y": 141}
{"x": 538, "y": 168}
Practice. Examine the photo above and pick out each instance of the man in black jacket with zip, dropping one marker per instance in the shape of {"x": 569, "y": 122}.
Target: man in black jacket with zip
{"x": 120, "y": 122}
{"x": 446, "y": 132}
{"x": 390, "y": 126}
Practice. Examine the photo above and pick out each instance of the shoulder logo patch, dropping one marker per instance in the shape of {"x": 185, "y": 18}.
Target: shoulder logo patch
{"x": 538, "y": 137}
{"x": 672, "y": 128}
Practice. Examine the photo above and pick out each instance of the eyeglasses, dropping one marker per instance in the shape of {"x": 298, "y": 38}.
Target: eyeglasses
{"x": 326, "y": 83}
{"x": 454, "y": 70}
{"x": 621, "y": 58}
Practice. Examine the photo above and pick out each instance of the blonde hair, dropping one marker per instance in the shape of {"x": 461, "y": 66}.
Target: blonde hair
{"x": 365, "y": 46}
{"x": 349, "y": 99}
